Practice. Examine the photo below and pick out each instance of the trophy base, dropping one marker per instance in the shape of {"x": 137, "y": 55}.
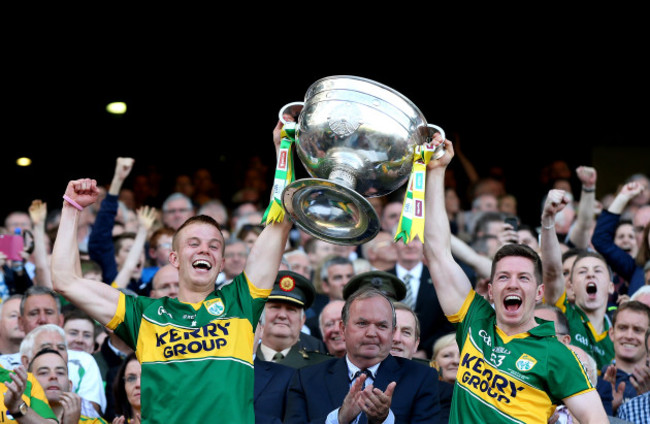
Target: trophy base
{"x": 330, "y": 211}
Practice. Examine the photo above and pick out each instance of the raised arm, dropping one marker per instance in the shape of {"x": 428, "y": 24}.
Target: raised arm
{"x": 464, "y": 252}
{"x": 265, "y": 256}
{"x": 551, "y": 255}
{"x": 38, "y": 212}
{"x": 449, "y": 279}
{"x": 146, "y": 219}
{"x": 580, "y": 234}
{"x": 100, "y": 241}
{"x": 97, "y": 299}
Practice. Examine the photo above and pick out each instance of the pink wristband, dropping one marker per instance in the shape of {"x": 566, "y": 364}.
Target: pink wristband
{"x": 73, "y": 203}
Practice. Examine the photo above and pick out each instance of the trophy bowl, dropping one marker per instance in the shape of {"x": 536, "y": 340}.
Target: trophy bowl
{"x": 356, "y": 138}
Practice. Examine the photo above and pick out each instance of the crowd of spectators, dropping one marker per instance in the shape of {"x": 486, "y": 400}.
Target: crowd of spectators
{"x": 125, "y": 240}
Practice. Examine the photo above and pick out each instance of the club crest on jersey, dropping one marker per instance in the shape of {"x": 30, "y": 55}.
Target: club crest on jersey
{"x": 214, "y": 307}
{"x": 287, "y": 284}
{"x": 525, "y": 362}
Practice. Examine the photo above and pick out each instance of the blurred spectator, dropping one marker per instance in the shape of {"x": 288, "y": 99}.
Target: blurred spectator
{"x": 11, "y": 333}
{"x": 126, "y": 390}
{"x": 176, "y": 209}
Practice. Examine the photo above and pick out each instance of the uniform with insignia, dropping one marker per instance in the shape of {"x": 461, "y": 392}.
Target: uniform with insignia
{"x": 293, "y": 288}
{"x": 510, "y": 379}
{"x": 208, "y": 344}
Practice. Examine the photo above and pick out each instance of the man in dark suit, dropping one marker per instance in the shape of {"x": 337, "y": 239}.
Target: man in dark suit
{"x": 367, "y": 382}
{"x": 420, "y": 294}
{"x": 283, "y": 319}
{"x": 271, "y": 386}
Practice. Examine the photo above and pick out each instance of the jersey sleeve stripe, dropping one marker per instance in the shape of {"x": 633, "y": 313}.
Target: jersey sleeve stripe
{"x": 460, "y": 315}
{"x": 118, "y": 318}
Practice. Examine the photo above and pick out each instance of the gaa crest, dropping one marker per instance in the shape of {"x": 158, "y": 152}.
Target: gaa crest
{"x": 214, "y": 307}
{"x": 525, "y": 362}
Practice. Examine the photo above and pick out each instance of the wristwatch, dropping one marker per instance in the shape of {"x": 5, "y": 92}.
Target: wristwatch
{"x": 22, "y": 410}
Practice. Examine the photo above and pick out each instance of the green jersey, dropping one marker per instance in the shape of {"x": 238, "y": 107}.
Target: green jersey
{"x": 33, "y": 396}
{"x": 584, "y": 335}
{"x": 197, "y": 359}
{"x": 510, "y": 379}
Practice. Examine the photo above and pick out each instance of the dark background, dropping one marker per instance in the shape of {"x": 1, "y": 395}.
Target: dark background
{"x": 517, "y": 100}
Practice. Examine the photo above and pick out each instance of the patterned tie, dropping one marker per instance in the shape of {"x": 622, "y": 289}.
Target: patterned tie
{"x": 367, "y": 373}
{"x": 409, "y": 299}
{"x": 278, "y": 357}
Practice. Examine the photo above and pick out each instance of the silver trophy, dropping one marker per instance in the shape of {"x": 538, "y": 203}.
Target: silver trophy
{"x": 356, "y": 138}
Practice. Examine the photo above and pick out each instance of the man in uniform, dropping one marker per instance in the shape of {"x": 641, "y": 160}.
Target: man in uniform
{"x": 195, "y": 346}
{"x": 383, "y": 281}
{"x": 508, "y": 359}
{"x": 283, "y": 319}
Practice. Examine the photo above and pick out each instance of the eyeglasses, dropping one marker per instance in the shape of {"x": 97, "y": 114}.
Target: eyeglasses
{"x": 165, "y": 245}
{"x": 131, "y": 378}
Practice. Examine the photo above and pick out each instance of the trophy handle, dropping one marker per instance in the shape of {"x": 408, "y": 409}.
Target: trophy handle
{"x": 291, "y": 111}
{"x": 433, "y": 133}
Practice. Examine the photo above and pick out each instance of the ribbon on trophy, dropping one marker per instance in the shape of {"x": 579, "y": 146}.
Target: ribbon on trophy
{"x": 411, "y": 221}
{"x": 284, "y": 174}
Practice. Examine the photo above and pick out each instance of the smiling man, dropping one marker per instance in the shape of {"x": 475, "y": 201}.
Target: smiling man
{"x": 199, "y": 345}
{"x": 507, "y": 358}
{"x": 407, "y": 332}
{"x": 629, "y": 332}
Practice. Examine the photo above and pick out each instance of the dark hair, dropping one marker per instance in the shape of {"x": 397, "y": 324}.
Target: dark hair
{"x": 519, "y": 250}
{"x": 122, "y": 405}
{"x": 366, "y": 293}
{"x": 591, "y": 254}
{"x": 632, "y": 305}
{"x": 119, "y": 239}
{"x": 574, "y": 251}
{"x": 43, "y": 352}
{"x": 70, "y": 311}
{"x": 246, "y": 229}
{"x": 89, "y": 265}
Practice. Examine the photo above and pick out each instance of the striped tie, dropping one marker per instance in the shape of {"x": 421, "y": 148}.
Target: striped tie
{"x": 409, "y": 299}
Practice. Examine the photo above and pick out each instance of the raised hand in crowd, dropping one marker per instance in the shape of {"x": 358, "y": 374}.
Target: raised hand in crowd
{"x": 580, "y": 234}
{"x": 38, "y": 213}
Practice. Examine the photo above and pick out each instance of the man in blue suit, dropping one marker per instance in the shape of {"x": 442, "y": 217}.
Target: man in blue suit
{"x": 367, "y": 384}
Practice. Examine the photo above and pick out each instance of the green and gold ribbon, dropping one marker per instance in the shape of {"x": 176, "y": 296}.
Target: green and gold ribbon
{"x": 284, "y": 174}
{"x": 411, "y": 221}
